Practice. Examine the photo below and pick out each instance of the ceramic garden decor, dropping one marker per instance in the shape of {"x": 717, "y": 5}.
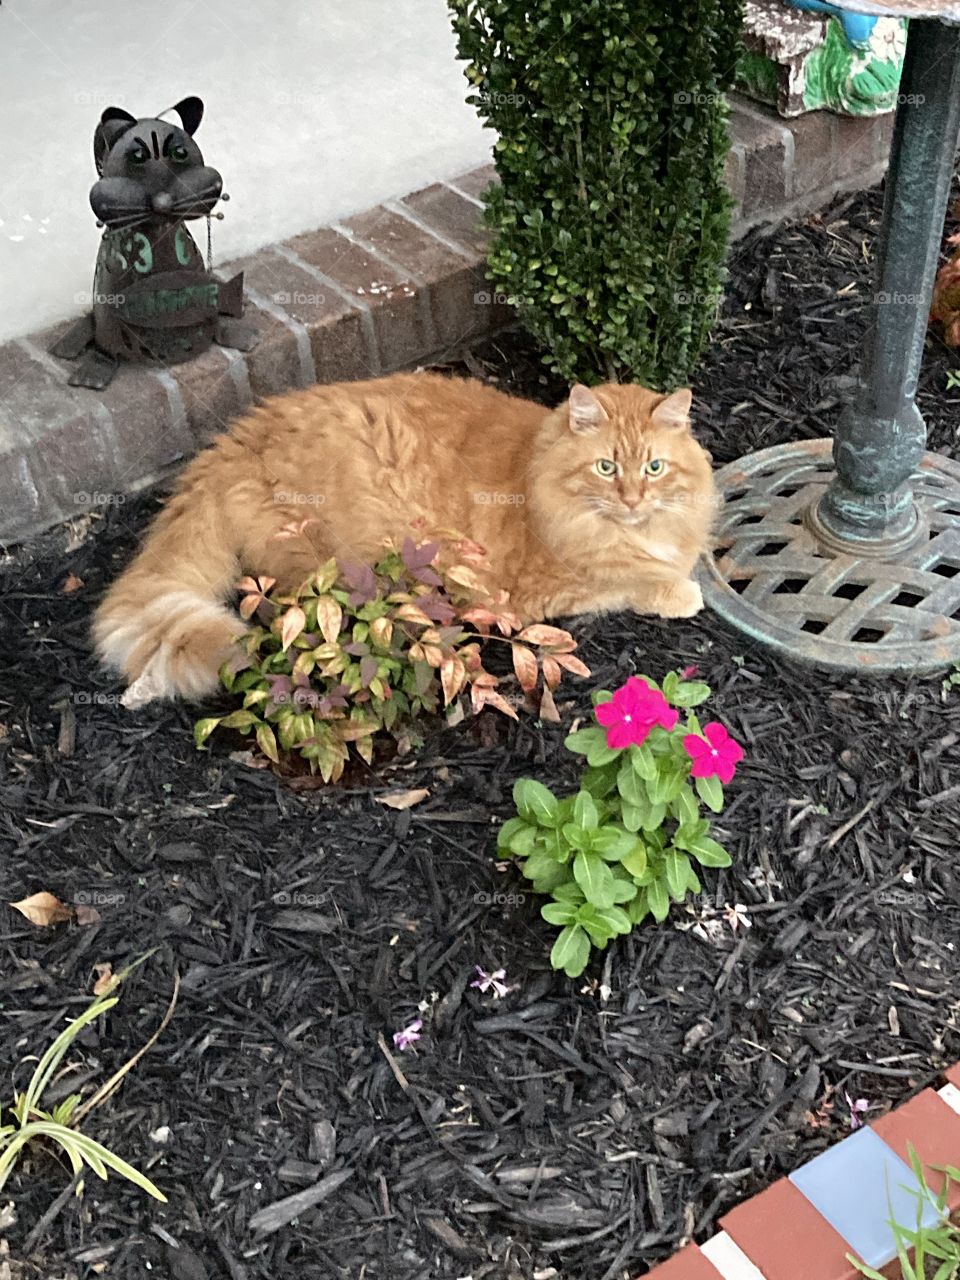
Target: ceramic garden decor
{"x": 804, "y": 55}
{"x": 154, "y": 299}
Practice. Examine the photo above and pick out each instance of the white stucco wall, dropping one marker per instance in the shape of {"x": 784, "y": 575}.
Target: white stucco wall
{"x": 315, "y": 109}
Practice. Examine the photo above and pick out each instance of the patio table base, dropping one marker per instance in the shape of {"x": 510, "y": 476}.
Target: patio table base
{"x": 773, "y": 575}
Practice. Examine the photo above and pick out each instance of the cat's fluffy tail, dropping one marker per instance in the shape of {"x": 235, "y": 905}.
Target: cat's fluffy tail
{"x": 163, "y": 624}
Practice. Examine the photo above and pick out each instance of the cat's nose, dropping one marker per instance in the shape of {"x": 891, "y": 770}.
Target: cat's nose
{"x": 632, "y": 501}
{"x": 162, "y": 201}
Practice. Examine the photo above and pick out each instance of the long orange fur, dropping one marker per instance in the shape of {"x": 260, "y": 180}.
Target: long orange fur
{"x": 363, "y": 460}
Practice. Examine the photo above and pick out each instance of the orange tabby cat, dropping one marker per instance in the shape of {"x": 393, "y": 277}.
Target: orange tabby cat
{"x": 604, "y": 503}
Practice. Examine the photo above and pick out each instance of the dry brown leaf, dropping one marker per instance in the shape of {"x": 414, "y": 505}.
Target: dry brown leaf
{"x": 105, "y": 979}
{"x": 87, "y": 915}
{"x": 404, "y": 799}
{"x": 525, "y": 665}
{"x": 43, "y": 909}
{"x": 548, "y": 708}
{"x": 294, "y": 621}
{"x": 72, "y": 583}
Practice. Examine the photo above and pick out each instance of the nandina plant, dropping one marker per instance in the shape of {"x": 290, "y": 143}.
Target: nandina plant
{"x": 629, "y": 842}
{"x": 361, "y": 650}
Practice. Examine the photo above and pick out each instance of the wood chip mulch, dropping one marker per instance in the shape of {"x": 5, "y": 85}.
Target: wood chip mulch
{"x": 572, "y": 1129}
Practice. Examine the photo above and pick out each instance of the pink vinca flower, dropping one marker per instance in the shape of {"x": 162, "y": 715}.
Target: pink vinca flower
{"x": 715, "y": 754}
{"x": 633, "y": 711}
{"x": 409, "y": 1035}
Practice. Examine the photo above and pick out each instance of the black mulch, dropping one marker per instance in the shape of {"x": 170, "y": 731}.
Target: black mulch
{"x": 575, "y": 1128}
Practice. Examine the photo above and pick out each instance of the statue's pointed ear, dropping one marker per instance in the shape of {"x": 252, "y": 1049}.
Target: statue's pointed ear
{"x": 586, "y": 411}
{"x": 674, "y": 410}
{"x": 190, "y": 111}
{"x": 113, "y": 123}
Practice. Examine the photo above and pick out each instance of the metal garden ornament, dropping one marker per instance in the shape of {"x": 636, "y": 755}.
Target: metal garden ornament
{"x": 155, "y": 300}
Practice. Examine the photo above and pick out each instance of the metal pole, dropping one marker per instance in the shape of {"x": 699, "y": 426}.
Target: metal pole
{"x": 869, "y": 508}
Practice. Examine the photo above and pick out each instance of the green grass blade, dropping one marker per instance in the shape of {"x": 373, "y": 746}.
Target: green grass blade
{"x": 55, "y": 1053}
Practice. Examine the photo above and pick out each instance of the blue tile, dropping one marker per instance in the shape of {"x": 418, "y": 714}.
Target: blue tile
{"x": 858, "y": 1186}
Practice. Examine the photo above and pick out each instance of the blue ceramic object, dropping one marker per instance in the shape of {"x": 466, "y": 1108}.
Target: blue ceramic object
{"x": 857, "y": 27}
{"x": 858, "y": 1186}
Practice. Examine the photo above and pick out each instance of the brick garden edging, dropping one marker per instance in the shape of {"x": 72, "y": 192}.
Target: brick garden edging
{"x": 803, "y": 1226}
{"x": 387, "y": 289}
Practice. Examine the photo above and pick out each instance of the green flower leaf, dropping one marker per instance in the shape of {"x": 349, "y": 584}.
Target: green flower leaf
{"x": 203, "y": 729}
{"x": 684, "y": 806}
{"x": 545, "y": 871}
{"x": 585, "y": 813}
{"x": 710, "y": 792}
{"x": 675, "y": 866}
{"x": 631, "y": 788}
{"x": 614, "y": 844}
{"x": 510, "y": 828}
{"x": 535, "y": 802}
{"x": 636, "y": 862}
{"x": 709, "y": 853}
{"x": 690, "y": 693}
{"x": 658, "y": 900}
{"x": 631, "y": 816}
{"x": 581, "y": 741}
{"x": 595, "y": 879}
{"x": 571, "y": 951}
{"x": 559, "y": 912}
{"x": 643, "y": 761}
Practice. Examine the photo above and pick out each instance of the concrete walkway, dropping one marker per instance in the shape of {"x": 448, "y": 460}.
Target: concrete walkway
{"x": 316, "y": 109}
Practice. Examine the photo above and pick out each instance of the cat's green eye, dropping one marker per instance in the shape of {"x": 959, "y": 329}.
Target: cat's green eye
{"x": 179, "y": 154}
{"x": 139, "y": 156}
{"x": 655, "y": 467}
{"x": 605, "y": 467}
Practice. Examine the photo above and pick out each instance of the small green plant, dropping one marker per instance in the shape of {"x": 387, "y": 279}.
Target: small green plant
{"x": 951, "y": 681}
{"x": 953, "y": 379}
{"x": 32, "y": 1122}
{"x": 924, "y": 1252}
{"x": 624, "y": 847}
{"x": 358, "y": 650}
{"x": 611, "y": 218}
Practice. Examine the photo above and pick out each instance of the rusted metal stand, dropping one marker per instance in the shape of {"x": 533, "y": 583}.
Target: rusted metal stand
{"x": 855, "y": 564}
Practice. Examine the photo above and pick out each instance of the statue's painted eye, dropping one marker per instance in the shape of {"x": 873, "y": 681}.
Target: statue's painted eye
{"x": 605, "y": 467}
{"x": 655, "y": 467}
{"x": 179, "y": 154}
{"x": 140, "y": 156}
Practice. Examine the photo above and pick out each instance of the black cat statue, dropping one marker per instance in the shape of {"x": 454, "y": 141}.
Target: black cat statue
{"x": 153, "y": 298}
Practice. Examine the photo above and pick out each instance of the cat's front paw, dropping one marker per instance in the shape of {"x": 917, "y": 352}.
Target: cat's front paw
{"x": 680, "y": 600}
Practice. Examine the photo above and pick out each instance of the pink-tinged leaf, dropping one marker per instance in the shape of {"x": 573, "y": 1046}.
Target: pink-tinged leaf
{"x": 464, "y": 576}
{"x": 261, "y": 585}
{"x": 410, "y": 613}
{"x": 552, "y": 674}
{"x": 471, "y": 552}
{"x": 571, "y": 663}
{"x": 381, "y": 629}
{"x": 249, "y": 606}
{"x": 267, "y": 743}
{"x": 539, "y": 633}
{"x": 369, "y": 666}
{"x": 453, "y": 676}
{"x": 480, "y": 618}
{"x": 403, "y": 799}
{"x": 433, "y": 654}
{"x": 294, "y": 621}
{"x": 329, "y": 618}
{"x": 548, "y": 708}
{"x": 481, "y": 698}
{"x": 525, "y": 665}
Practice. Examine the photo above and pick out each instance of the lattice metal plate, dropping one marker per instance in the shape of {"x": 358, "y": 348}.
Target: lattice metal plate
{"x": 769, "y": 576}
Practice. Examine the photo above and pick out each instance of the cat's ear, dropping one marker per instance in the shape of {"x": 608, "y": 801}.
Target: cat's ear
{"x": 586, "y": 411}
{"x": 190, "y": 111}
{"x": 114, "y": 122}
{"x": 674, "y": 410}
